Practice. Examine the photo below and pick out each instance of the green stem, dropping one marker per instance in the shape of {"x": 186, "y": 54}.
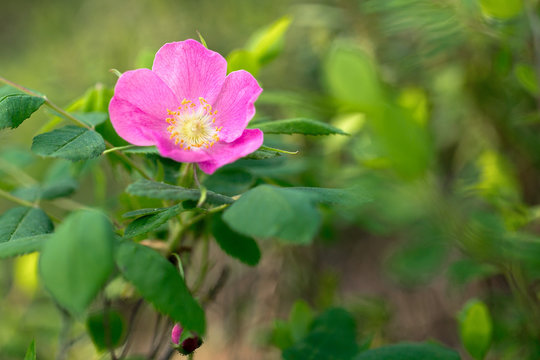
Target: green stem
{"x": 15, "y": 199}
{"x": 204, "y": 266}
{"x": 64, "y": 343}
{"x": 175, "y": 240}
{"x": 118, "y": 148}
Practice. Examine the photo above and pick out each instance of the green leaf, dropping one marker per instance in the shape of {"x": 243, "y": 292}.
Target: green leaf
{"x": 77, "y": 260}
{"x": 31, "y": 352}
{"x": 142, "y": 212}
{"x": 503, "y": 9}
{"x": 160, "y": 283}
{"x": 332, "y": 336}
{"x": 106, "y": 329}
{"x": 15, "y": 107}
{"x": 475, "y": 328}
{"x": 69, "y": 142}
{"x": 238, "y": 246}
{"x": 352, "y": 78}
{"x": 268, "y": 211}
{"x": 159, "y": 190}
{"x": 409, "y": 351}
{"x": 241, "y": 59}
{"x": 22, "y": 222}
{"x": 262, "y": 153}
{"x": 92, "y": 118}
{"x": 298, "y": 126}
{"x": 280, "y": 335}
{"x": 23, "y": 245}
{"x": 300, "y": 319}
{"x": 267, "y": 43}
{"x": 526, "y": 76}
{"x": 229, "y": 181}
{"x": 151, "y": 222}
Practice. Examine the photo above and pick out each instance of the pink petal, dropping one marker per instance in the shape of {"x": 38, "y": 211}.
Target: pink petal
{"x": 225, "y": 153}
{"x": 235, "y": 104}
{"x": 176, "y": 333}
{"x": 191, "y": 70}
{"x": 139, "y": 106}
{"x": 169, "y": 149}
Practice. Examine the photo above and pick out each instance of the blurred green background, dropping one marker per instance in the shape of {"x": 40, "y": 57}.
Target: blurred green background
{"x": 441, "y": 101}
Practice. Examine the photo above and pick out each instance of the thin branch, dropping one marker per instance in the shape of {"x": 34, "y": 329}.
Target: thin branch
{"x": 68, "y": 116}
{"x": 131, "y": 325}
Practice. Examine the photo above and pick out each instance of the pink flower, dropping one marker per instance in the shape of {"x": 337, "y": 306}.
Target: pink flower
{"x": 188, "y": 107}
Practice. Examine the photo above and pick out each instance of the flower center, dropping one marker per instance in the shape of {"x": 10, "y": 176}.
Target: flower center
{"x": 193, "y": 126}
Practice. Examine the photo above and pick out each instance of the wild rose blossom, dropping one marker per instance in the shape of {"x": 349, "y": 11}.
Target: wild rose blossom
{"x": 188, "y": 107}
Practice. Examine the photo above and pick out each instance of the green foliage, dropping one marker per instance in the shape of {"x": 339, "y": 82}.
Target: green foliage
{"x": 69, "y": 142}
{"x": 77, "y": 260}
{"x": 300, "y": 320}
{"x": 106, "y": 329}
{"x": 238, "y": 246}
{"x": 263, "y": 46}
{"x": 526, "y": 75}
{"x": 268, "y": 211}
{"x": 158, "y": 190}
{"x": 475, "y": 328}
{"x": 15, "y": 107}
{"x": 21, "y": 222}
{"x": 229, "y": 181}
{"x": 22, "y": 246}
{"x": 31, "y": 352}
{"x": 152, "y": 221}
{"x": 297, "y": 126}
{"x": 160, "y": 284}
{"x": 264, "y": 152}
{"x": 504, "y": 9}
{"x": 409, "y": 351}
{"x": 332, "y": 335}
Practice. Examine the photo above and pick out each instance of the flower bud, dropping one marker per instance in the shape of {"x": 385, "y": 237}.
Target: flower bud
{"x": 185, "y": 344}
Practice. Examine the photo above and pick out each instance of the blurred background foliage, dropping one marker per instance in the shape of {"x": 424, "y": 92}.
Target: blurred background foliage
{"x": 441, "y": 101}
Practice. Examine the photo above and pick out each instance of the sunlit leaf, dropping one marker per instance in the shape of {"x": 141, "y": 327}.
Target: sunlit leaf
{"x": 503, "y": 9}
{"x": 31, "y": 352}
{"x": 475, "y": 328}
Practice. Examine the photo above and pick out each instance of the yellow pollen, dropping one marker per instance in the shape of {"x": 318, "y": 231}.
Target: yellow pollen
{"x": 192, "y": 126}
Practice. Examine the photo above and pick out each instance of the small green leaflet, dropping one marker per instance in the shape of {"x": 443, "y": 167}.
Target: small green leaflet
{"x": 331, "y": 336}
{"x": 31, "y": 352}
{"x": 78, "y": 259}
{"x": 298, "y": 126}
{"x": 24, "y": 245}
{"x": 147, "y": 223}
{"x": 159, "y": 190}
{"x": 159, "y": 282}
{"x": 21, "y": 222}
{"x": 15, "y": 107}
{"x": 106, "y": 328}
{"x": 69, "y": 142}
